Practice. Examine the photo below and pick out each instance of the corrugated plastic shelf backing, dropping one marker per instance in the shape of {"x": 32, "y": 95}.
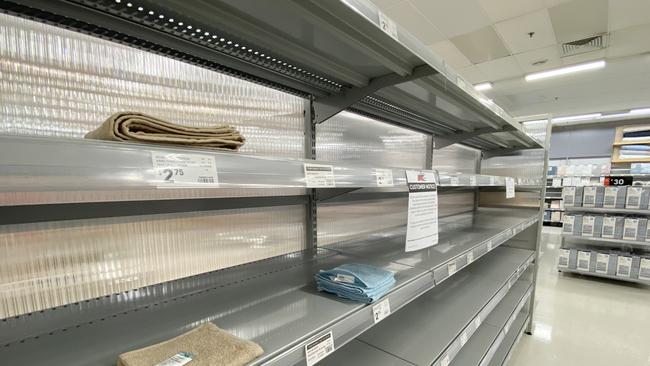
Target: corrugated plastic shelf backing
{"x": 272, "y": 44}
{"x": 607, "y": 210}
{"x": 607, "y": 241}
{"x": 603, "y": 275}
{"x": 48, "y": 164}
{"x": 428, "y": 331}
{"x": 273, "y": 302}
{"x": 490, "y": 336}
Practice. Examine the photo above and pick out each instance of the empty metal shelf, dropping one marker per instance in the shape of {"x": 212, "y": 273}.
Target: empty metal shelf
{"x": 510, "y": 339}
{"x": 603, "y": 275}
{"x": 623, "y": 211}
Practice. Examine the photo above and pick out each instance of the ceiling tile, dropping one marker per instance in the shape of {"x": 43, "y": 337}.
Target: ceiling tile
{"x": 473, "y": 74}
{"x": 551, "y": 54}
{"x": 499, "y": 10}
{"x": 583, "y": 57}
{"x": 578, "y": 19}
{"x": 413, "y": 21}
{"x": 481, "y": 45}
{"x": 628, "y": 13}
{"x": 454, "y": 17}
{"x": 515, "y": 32}
{"x": 503, "y": 68}
{"x": 630, "y": 41}
{"x": 450, "y": 54}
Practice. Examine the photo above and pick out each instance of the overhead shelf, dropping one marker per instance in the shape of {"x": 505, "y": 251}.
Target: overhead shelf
{"x": 46, "y": 164}
{"x": 429, "y": 330}
{"x": 485, "y": 343}
{"x": 608, "y": 242}
{"x": 603, "y": 275}
{"x": 345, "y": 54}
{"x": 624, "y": 211}
{"x": 272, "y": 302}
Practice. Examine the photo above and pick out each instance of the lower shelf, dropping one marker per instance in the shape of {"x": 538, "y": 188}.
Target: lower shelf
{"x": 433, "y": 329}
{"x": 510, "y": 339}
{"x": 490, "y": 337}
{"x": 272, "y": 302}
{"x": 601, "y": 275}
{"x": 607, "y": 242}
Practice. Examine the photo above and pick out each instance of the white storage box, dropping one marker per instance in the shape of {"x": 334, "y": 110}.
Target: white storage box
{"x": 637, "y": 197}
{"x": 572, "y": 224}
{"x": 635, "y": 229}
{"x": 572, "y": 196}
{"x": 644, "y": 269}
{"x": 593, "y": 196}
{"x": 613, "y": 227}
{"x": 614, "y": 197}
{"x": 605, "y": 263}
{"x": 584, "y": 261}
{"x": 592, "y": 226}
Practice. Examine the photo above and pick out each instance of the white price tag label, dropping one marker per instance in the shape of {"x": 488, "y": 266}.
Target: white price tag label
{"x": 489, "y": 245}
{"x": 477, "y": 322}
{"x": 384, "y": 177}
{"x": 451, "y": 268}
{"x": 380, "y": 311}
{"x": 470, "y": 257}
{"x": 178, "y": 359}
{"x": 463, "y": 338}
{"x": 387, "y": 25}
{"x": 455, "y": 181}
{"x": 319, "y": 176}
{"x": 184, "y": 170}
{"x": 472, "y": 180}
{"x": 492, "y": 180}
{"x": 319, "y": 348}
{"x": 510, "y": 188}
{"x": 445, "y": 360}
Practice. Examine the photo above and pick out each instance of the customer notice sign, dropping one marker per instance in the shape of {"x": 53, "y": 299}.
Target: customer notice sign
{"x": 422, "y": 226}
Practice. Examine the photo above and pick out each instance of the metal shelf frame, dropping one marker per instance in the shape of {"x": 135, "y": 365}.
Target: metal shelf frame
{"x": 355, "y": 65}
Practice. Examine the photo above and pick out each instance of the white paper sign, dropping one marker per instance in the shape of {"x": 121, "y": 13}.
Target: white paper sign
{"x": 185, "y": 170}
{"x": 384, "y": 177}
{"x": 319, "y": 176}
{"x": 422, "y": 224}
{"x": 470, "y": 257}
{"x": 387, "y": 25}
{"x": 381, "y": 310}
{"x": 510, "y": 188}
{"x": 319, "y": 348}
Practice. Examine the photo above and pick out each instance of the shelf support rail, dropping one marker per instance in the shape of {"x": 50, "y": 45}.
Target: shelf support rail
{"x": 327, "y": 107}
{"x": 446, "y": 140}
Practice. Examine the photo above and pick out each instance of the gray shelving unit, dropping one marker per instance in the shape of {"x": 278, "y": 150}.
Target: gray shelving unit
{"x": 338, "y": 56}
{"x": 618, "y": 246}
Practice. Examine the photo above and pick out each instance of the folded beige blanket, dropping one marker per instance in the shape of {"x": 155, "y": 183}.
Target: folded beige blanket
{"x": 208, "y": 345}
{"x": 139, "y": 127}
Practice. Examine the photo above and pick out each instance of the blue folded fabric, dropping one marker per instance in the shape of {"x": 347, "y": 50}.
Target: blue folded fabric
{"x": 354, "y": 281}
{"x": 645, "y": 133}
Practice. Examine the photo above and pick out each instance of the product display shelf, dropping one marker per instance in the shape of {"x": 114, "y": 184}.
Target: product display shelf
{"x": 493, "y": 333}
{"x": 503, "y": 352}
{"x": 363, "y": 61}
{"x": 622, "y": 211}
{"x": 433, "y": 329}
{"x": 607, "y": 242}
{"x": 278, "y": 293}
{"x": 53, "y": 165}
{"x": 603, "y": 275}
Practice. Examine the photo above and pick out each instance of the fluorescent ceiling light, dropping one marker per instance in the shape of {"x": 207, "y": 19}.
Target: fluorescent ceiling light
{"x": 483, "y": 86}
{"x": 579, "y": 117}
{"x": 566, "y": 70}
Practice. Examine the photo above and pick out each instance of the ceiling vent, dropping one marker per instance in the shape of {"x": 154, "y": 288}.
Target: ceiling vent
{"x": 589, "y": 44}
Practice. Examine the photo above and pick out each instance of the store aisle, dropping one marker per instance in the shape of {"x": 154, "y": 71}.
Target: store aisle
{"x": 584, "y": 320}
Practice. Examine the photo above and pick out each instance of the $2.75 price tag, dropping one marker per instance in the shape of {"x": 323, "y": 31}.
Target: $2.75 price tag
{"x": 184, "y": 170}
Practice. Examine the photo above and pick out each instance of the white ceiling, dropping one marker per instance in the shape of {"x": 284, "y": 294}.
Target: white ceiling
{"x": 488, "y": 40}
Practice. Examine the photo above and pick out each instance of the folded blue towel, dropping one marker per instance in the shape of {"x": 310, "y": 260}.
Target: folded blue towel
{"x": 359, "y": 282}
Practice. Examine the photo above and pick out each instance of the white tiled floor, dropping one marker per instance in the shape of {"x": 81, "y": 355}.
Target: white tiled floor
{"x": 583, "y": 320}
